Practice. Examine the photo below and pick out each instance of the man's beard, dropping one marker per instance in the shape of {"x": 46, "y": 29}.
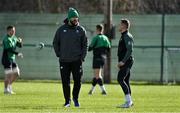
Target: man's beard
{"x": 74, "y": 23}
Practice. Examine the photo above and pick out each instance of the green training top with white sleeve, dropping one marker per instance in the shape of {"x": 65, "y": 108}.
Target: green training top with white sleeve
{"x": 100, "y": 45}
{"x": 98, "y": 41}
{"x": 9, "y": 45}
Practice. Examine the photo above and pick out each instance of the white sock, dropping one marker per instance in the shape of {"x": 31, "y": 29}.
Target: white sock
{"x": 92, "y": 88}
{"x": 6, "y": 89}
{"x": 10, "y": 88}
{"x": 102, "y": 88}
{"x": 128, "y": 98}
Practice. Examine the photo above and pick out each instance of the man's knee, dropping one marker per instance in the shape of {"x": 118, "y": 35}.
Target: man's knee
{"x": 121, "y": 76}
{"x": 77, "y": 82}
{"x": 65, "y": 78}
{"x": 65, "y": 82}
{"x": 94, "y": 81}
{"x": 77, "y": 78}
{"x": 8, "y": 71}
{"x": 6, "y": 80}
{"x": 16, "y": 71}
{"x": 120, "y": 80}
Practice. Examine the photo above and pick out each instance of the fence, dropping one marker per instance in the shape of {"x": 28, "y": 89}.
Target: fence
{"x": 42, "y": 64}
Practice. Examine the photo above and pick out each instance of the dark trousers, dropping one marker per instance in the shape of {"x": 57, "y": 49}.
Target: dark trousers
{"x": 124, "y": 76}
{"x": 66, "y": 68}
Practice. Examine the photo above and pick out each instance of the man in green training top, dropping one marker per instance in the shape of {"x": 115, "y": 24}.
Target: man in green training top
{"x": 125, "y": 61}
{"x": 10, "y": 42}
{"x": 100, "y": 45}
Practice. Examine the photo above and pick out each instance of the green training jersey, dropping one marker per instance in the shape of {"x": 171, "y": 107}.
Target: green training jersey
{"x": 9, "y": 43}
{"x": 100, "y": 40}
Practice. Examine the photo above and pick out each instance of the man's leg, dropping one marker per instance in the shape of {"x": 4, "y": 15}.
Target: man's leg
{"x": 94, "y": 82}
{"x": 123, "y": 79}
{"x": 6, "y": 83}
{"x": 122, "y": 74}
{"x": 65, "y": 76}
{"x": 127, "y": 81}
{"x": 77, "y": 72}
{"x": 12, "y": 79}
{"x": 8, "y": 72}
{"x": 100, "y": 80}
{"x": 101, "y": 63}
{"x": 97, "y": 66}
{"x": 7, "y": 80}
{"x": 15, "y": 74}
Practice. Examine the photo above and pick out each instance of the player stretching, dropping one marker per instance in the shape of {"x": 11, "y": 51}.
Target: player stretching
{"x": 10, "y": 42}
{"x": 100, "y": 46}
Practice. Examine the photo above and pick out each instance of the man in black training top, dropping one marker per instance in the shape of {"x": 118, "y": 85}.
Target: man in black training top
{"x": 125, "y": 61}
{"x": 70, "y": 45}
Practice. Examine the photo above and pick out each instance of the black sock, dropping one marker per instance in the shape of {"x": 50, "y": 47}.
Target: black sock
{"x": 94, "y": 81}
{"x": 100, "y": 82}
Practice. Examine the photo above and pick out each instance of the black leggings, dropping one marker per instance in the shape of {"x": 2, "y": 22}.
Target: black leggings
{"x": 124, "y": 76}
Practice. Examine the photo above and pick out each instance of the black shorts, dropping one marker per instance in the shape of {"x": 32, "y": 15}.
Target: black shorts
{"x": 9, "y": 64}
{"x": 98, "y": 62}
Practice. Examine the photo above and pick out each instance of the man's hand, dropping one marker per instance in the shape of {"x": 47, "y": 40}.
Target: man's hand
{"x": 20, "y": 55}
{"x": 20, "y": 40}
{"x": 120, "y": 64}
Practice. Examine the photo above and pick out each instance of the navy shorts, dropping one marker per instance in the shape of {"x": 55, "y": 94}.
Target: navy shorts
{"x": 98, "y": 62}
{"x": 9, "y": 64}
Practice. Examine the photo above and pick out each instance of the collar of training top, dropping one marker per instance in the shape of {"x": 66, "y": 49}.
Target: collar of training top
{"x": 124, "y": 32}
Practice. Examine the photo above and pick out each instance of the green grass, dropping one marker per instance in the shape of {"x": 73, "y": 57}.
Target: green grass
{"x": 47, "y": 97}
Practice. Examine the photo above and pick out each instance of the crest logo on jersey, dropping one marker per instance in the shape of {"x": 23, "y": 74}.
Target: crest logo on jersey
{"x": 64, "y": 30}
{"x": 77, "y": 31}
{"x": 129, "y": 42}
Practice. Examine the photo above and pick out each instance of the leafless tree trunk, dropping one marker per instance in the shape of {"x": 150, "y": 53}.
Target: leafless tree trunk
{"x": 40, "y": 6}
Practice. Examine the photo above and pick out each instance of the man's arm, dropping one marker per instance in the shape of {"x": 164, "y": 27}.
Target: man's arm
{"x": 56, "y": 43}
{"x": 93, "y": 44}
{"x": 84, "y": 45}
{"x": 19, "y": 43}
{"x": 129, "y": 46}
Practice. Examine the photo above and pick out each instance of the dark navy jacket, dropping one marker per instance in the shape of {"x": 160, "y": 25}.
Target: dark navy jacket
{"x": 70, "y": 43}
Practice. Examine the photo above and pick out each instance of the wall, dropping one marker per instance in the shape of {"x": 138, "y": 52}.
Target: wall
{"x": 42, "y": 64}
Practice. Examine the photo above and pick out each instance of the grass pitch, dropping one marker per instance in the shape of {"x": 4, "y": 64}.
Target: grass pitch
{"x": 47, "y": 97}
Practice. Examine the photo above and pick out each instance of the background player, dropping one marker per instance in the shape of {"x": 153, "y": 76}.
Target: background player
{"x": 100, "y": 46}
{"x": 11, "y": 69}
